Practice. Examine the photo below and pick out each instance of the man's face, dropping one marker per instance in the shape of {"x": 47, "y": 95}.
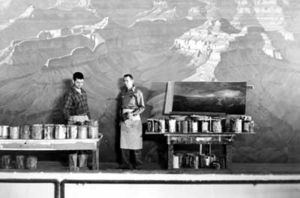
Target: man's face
{"x": 128, "y": 82}
{"x": 78, "y": 83}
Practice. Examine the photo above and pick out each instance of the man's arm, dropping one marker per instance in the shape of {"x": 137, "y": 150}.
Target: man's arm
{"x": 67, "y": 106}
{"x": 88, "y": 113}
{"x": 140, "y": 103}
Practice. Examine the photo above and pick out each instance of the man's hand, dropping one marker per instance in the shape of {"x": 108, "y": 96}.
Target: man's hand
{"x": 127, "y": 116}
{"x": 130, "y": 115}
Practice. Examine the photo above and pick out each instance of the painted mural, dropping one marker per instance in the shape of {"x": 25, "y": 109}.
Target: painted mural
{"x": 258, "y": 41}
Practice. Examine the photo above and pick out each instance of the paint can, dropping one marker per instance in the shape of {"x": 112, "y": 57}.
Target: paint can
{"x": 190, "y": 125}
{"x": 72, "y": 131}
{"x": 93, "y": 132}
{"x": 31, "y": 162}
{"x": 162, "y": 126}
{"x": 4, "y": 131}
{"x": 49, "y": 131}
{"x": 237, "y": 125}
{"x": 196, "y": 162}
{"x": 82, "y": 132}
{"x": 251, "y": 126}
{"x": 150, "y": 125}
{"x": 25, "y": 132}
{"x": 14, "y": 132}
{"x": 20, "y": 162}
{"x": 36, "y": 131}
{"x": 6, "y": 161}
{"x": 194, "y": 126}
{"x": 207, "y": 160}
{"x": 184, "y": 124}
{"x": 175, "y": 161}
{"x": 156, "y": 125}
{"x": 178, "y": 126}
{"x": 204, "y": 126}
{"x": 60, "y": 131}
{"x": 217, "y": 126}
{"x": 172, "y": 125}
{"x": 246, "y": 126}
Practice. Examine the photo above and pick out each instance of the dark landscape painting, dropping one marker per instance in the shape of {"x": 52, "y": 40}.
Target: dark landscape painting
{"x": 209, "y": 97}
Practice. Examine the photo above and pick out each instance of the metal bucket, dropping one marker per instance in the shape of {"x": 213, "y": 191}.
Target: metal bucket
{"x": 60, "y": 131}
{"x": 172, "y": 125}
{"x": 162, "y": 124}
{"x": 217, "y": 126}
{"x": 93, "y": 132}
{"x": 31, "y": 162}
{"x": 82, "y": 132}
{"x": 72, "y": 131}
{"x": 156, "y": 125}
{"x": 150, "y": 125}
{"x": 6, "y": 161}
{"x": 49, "y": 131}
{"x": 204, "y": 126}
{"x": 237, "y": 125}
{"x": 37, "y": 131}
{"x": 184, "y": 126}
{"x": 14, "y": 132}
{"x": 4, "y": 131}
{"x": 25, "y": 132}
{"x": 20, "y": 162}
{"x": 176, "y": 163}
{"x": 194, "y": 126}
{"x": 178, "y": 126}
{"x": 246, "y": 126}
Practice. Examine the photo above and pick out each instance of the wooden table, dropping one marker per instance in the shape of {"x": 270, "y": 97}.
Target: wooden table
{"x": 225, "y": 139}
{"x": 54, "y": 145}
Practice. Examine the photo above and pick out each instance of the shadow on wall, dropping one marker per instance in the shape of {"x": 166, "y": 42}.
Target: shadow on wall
{"x": 57, "y": 115}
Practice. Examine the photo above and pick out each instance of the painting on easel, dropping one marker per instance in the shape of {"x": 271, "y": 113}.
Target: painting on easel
{"x": 206, "y": 98}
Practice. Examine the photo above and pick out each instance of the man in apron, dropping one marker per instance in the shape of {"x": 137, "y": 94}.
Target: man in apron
{"x": 76, "y": 111}
{"x": 132, "y": 105}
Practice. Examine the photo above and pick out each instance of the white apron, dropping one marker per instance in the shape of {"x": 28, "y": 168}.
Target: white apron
{"x": 131, "y": 133}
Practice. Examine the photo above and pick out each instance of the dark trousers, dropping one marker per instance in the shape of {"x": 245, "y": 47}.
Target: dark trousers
{"x": 126, "y": 162}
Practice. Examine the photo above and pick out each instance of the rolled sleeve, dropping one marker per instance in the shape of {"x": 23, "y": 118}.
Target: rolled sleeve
{"x": 140, "y": 103}
{"x": 68, "y": 106}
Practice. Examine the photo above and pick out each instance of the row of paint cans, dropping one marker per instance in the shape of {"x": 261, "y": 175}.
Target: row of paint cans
{"x": 49, "y": 131}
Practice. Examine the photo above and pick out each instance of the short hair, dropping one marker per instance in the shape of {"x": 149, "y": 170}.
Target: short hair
{"x": 128, "y": 75}
{"x": 78, "y": 75}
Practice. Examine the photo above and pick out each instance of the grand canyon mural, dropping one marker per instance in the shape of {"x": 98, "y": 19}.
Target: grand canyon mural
{"x": 258, "y": 41}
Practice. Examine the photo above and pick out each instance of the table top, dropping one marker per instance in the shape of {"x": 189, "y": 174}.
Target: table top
{"x": 224, "y": 134}
{"x": 52, "y": 144}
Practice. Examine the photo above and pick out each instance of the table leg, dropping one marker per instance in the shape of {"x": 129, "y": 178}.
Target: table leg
{"x": 95, "y": 156}
{"x": 228, "y": 154}
{"x": 170, "y": 156}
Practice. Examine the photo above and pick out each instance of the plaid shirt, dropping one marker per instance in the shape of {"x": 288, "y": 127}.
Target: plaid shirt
{"x": 76, "y": 103}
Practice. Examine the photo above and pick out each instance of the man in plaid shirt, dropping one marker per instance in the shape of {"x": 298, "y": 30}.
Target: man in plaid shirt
{"x": 76, "y": 108}
{"x": 76, "y": 111}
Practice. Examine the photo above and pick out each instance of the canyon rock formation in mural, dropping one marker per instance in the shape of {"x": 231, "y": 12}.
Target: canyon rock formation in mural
{"x": 43, "y": 42}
